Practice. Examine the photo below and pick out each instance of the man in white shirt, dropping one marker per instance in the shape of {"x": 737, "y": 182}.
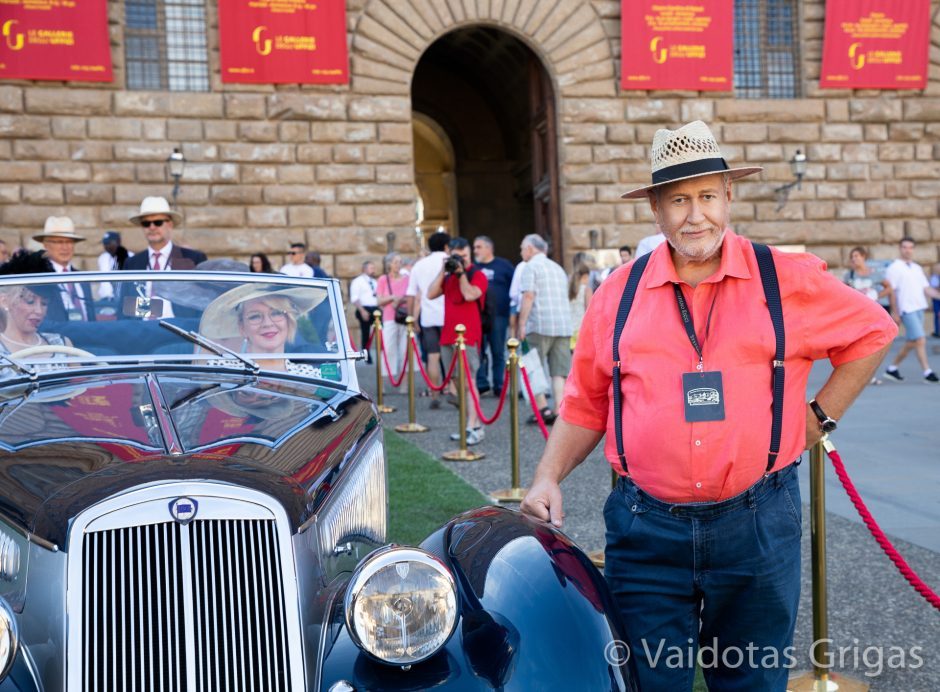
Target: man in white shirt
{"x": 429, "y": 313}
{"x": 297, "y": 267}
{"x": 110, "y": 260}
{"x": 362, "y": 295}
{"x": 649, "y": 243}
{"x": 911, "y": 289}
{"x": 58, "y": 238}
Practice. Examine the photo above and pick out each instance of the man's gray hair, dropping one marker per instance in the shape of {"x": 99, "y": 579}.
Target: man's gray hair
{"x": 484, "y": 239}
{"x": 535, "y": 241}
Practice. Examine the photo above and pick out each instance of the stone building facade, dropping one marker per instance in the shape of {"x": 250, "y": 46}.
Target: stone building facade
{"x": 336, "y": 165}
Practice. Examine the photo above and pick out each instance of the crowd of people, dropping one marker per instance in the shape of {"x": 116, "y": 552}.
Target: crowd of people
{"x": 456, "y": 281}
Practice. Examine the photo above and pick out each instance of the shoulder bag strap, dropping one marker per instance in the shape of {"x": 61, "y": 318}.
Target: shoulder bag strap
{"x": 768, "y": 277}
{"x": 623, "y": 311}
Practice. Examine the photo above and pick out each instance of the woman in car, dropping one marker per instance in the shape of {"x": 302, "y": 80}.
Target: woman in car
{"x": 260, "y": 319}
{"x": 22, "y": 309}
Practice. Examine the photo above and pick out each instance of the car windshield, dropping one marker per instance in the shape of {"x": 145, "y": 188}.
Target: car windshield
{"x": 247, "y": 321}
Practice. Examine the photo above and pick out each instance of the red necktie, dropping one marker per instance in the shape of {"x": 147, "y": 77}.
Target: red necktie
{"x": 73, "y": 295}
{"x": 156, "y": 261}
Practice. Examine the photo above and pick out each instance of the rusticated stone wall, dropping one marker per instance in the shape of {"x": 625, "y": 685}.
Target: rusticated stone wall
{"x": 333, "y": 165}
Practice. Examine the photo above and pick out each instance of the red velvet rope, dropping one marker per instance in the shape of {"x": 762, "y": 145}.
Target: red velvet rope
{"x": 388, "y": 369}
{"x": 424, "y": 373}
{"x": 535, "y": 406}
{"x": 369, "y": 342}
{"x": 476, "y": 398}
{"x": 931, "y": 596}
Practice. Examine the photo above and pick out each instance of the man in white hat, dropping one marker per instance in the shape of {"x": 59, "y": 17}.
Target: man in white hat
{"x": 694, "y": 362}
{"x": 158, "y": 220}
{"x": 58, "y": 237}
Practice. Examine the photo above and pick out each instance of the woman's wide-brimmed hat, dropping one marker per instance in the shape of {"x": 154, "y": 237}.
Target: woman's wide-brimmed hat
{"x": 689, "y": 152}
{"x": 58, "y": 227}
{"x": 220, "y": 320}
{"x": 155, "y": 205}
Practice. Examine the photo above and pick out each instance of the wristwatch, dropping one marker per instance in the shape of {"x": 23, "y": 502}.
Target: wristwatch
{"x": 826, "y": 424}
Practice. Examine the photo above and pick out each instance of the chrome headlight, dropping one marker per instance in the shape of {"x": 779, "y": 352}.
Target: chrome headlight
{"x": 9, "y": 638}
{"x": 401, "y": 605}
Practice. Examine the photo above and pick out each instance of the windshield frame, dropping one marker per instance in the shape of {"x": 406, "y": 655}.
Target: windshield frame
{"x": 344, "y": 354}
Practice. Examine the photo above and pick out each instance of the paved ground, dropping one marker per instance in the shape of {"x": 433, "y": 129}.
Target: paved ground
{"x": 890, "y": 441}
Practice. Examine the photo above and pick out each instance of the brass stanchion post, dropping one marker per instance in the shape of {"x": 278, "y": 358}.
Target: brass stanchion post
{"x": 515, "y": 493}
{"x": 377, "y": 339}
{"x": 411, "y": 426}
{"x": 821, "y": 679}
{"x": 462, "y": 454}
{"x": 597, "y": 556}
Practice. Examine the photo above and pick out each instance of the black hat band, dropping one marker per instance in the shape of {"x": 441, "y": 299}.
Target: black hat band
{"x": 686, "y": 170}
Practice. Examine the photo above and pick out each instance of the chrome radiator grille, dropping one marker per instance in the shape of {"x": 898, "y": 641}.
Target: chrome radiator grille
{"x": 195, "y": 607}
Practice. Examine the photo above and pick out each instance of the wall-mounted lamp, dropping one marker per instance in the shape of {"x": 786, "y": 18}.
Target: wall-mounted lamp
{"x": 175, "y": 163}
{"x": 798, "y": 168}
{"x": 593, "y": 235}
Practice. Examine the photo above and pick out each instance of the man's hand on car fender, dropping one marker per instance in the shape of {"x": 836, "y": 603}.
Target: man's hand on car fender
{"x": 544, "y": 502}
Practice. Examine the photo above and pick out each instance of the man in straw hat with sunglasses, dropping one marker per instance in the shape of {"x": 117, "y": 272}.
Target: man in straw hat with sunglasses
{"x": 157, "y": 220}
{"x": 694, "y": 361}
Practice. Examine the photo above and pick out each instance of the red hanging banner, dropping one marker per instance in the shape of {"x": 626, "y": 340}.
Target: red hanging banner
{"x": 876, "y": 44}
{"x": 55, "y": 39}
{"x": 283, "y": 41}
{"x": 679, "y": 44}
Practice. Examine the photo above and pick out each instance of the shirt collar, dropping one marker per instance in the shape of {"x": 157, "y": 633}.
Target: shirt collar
{"x": 661, "y": 269}
{"x": 163, "y": 252}
{"x": 58, "y": 267}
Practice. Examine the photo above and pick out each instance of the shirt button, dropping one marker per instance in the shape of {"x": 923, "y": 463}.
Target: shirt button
{"x": 698, "y": 485}
{"x": 698, "y": 443}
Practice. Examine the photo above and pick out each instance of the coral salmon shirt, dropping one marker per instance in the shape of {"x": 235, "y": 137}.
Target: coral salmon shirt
{"x": 678, "y": 461}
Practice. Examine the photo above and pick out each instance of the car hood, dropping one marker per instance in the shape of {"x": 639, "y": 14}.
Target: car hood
{"x": 76, "y": 441}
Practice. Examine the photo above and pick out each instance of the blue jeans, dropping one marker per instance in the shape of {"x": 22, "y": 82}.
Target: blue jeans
{"x": 496, "y": 340}
{"x": 716, "y": 580}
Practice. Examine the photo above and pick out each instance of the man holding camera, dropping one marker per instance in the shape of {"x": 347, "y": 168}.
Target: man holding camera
{"x": 464, "y": 289}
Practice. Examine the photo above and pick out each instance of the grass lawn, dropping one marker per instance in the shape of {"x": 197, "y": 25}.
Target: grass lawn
{"x": 422, "y": 493}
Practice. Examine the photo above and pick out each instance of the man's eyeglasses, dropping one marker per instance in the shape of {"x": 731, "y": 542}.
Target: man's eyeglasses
{"x": 156, "y": 224}
{"x": 257, "y": 318}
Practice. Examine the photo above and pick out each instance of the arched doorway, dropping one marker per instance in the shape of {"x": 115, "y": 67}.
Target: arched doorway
{"x": 489, "y": 97}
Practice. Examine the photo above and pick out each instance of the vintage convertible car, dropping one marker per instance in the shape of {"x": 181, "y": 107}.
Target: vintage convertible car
{"x": 193, "y": 497}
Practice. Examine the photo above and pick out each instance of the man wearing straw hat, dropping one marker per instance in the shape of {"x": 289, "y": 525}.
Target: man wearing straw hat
{"x": 700, "y": 386}
{"x": 58, "y": 237}
{"x": 158, "y": 220}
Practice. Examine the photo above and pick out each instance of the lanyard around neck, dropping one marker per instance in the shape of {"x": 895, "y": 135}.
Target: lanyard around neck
{"x": 689, "y": 325}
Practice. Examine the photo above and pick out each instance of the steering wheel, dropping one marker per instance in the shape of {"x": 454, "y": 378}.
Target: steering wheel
{"x": 51, "y": 348}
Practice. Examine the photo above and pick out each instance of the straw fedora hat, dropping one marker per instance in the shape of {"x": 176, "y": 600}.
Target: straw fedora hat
{"x": 59, "y": 227}
{"x": 220, "y": 320}
{"x": 155, "y": 205}
{"x": 689, "y": 152}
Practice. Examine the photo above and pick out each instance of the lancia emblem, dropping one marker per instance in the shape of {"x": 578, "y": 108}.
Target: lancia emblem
{"x": 183, "y": 510}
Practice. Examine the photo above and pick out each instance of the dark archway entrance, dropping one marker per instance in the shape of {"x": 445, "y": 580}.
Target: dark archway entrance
{"x": 483, "y": 96}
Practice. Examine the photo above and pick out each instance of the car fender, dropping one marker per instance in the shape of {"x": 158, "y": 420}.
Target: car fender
{"x": 534, "y": 614}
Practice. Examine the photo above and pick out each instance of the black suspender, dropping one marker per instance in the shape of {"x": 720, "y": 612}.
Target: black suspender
{"x": 768, "y": 275}
{"x": 623, "y": 312}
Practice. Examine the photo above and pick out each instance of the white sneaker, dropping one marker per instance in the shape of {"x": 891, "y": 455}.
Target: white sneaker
{"x": 474, "y": 436}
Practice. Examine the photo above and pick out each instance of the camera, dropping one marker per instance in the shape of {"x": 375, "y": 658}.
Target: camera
{"x": 453, "y": 263}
